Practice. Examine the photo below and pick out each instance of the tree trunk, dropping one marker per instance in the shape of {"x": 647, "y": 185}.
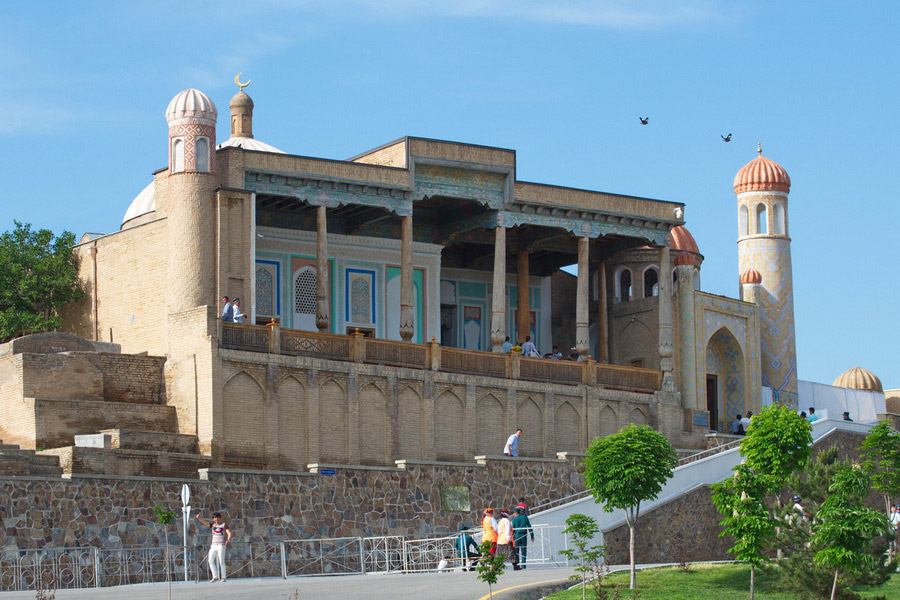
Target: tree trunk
{"x": 583, "y": 580}
{"x": 631, "y": 552}
{"x": 168, "y": 578}
{"x": 834, "y": 587}
{"x": 752, "y": 580}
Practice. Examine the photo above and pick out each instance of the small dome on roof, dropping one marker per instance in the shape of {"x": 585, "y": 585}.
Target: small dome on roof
{"x": 143, "y": 203}
{"x": 191, "y": 103}
{"x": 751, "y": 276}
{"x": 248, "y": 144}
{"x": 681, "y": 239}
{"x": 241, "y": 99}
{"x": 762, "y": 174}
{"x": 858, "y": 378}
{"x": 685, "y": 258}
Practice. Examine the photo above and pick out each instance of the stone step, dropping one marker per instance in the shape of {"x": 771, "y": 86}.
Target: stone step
{"x": 28, "y": 470}
{"x": 26, "y": 458}
{"x": 4, "y": 447}
{"x": 129, "y": 462}
{"x": 134, "y": 439}
{"x": 61, "y": 420}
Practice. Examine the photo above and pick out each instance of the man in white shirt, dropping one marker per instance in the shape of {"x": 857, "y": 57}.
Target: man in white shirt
{"x": 237, "y": 315}
{"x": 745, "y": 421}
{"x": 512, "y": 444}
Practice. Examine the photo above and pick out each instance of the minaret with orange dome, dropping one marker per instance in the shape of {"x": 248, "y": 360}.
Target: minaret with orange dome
{"x": 764, "y": 264}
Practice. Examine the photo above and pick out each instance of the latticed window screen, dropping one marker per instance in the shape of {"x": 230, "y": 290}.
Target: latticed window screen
{"x": 305, "y": 292}
{"x": 360, "y": 300}
{"x": 265, "y": 293}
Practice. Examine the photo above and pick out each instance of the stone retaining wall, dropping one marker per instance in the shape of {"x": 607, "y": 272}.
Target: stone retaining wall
{"x": 272, "y": 506}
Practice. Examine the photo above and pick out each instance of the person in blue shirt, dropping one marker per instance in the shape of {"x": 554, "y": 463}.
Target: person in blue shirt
{"x": 227, "y": 310}
{"x": 467, "y": 549}
{"x": 512, "y": 444}
{"x": 507, "y": 345}
{"x": 812, "y": 415}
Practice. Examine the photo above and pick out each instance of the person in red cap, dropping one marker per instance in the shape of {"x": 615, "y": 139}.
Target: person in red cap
{"x": 489, "y": 528}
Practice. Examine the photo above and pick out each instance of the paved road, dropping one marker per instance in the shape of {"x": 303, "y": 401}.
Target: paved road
{"x": 426, "y": 586}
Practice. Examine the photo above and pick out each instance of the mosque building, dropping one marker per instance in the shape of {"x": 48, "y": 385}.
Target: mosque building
{"x": 379, "y": 292}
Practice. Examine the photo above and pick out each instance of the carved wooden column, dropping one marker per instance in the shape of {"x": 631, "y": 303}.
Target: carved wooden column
{"x": 407, "y": 316}
{"x": 582, "y": 345}
{"x": 498, "y": 303}
{"x": 666, "y": 329}
{"x": 323, "y": 320}
{"x": 602, "y": 324}
{"x": 523, "y": 298}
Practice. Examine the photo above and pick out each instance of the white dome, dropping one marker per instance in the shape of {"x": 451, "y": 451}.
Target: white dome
{"x": 248, "y": 144}
{"x": 191, "y": 103}
{"x": 144, "y": 203}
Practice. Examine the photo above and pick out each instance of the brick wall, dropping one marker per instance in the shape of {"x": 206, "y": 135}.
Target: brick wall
{"x": 280, "y": 411}
{"x": 131, "y": 274}
{"x": 103, "y": 511}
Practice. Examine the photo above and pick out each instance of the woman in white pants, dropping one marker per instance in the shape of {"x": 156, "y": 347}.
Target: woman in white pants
{"x": 221, "y": 537}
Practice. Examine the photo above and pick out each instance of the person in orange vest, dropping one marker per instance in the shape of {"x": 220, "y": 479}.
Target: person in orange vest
{"x": 505, "y": 541}
{"x": 489, "y": 528}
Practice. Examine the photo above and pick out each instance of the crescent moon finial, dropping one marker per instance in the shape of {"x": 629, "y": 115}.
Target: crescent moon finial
{"x": 237, "y": 81}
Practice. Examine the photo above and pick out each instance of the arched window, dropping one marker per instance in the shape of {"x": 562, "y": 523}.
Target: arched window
{"x": 651, "y": 282}
{"x": 202, "y": 155}
{"x": 743, "y": 221}
{"x": 762, "y": 225}
{"x": 778, "y": 224}
{"x": 177, "y": 155}
{"x": 305, "y": 298}
{"x": 697, "y": 279}
{"x": 623, "y": 285}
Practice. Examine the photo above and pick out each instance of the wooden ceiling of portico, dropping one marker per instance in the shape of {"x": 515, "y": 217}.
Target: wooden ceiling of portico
{"x": 549, "y": 248}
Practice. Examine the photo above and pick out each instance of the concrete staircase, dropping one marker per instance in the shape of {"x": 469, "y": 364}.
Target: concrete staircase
{"x": 131, "y": 452}
{"x": 15, "y": 461}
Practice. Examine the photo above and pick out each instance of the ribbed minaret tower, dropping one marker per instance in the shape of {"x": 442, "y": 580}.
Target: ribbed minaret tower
{"x": 764, "y": 264}
{"x": 188, "y": 203}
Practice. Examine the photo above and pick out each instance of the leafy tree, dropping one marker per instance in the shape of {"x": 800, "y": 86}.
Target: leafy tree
{"x": 881, "y": 450}
{"x": 583, "y": 529}
{"x": 777, "y": 442}
{"x": 38, "y": 276}
{"x": 490, "y": 567}
{"x": 847, "y": 527}
{"x": 741, "y": 501}
{"x": 165, "y": 517}
{"x": 798, "y": 571}
{"x": 626, "y": 468}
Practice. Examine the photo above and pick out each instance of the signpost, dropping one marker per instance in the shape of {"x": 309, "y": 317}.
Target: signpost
{"x": 186, "y": 512}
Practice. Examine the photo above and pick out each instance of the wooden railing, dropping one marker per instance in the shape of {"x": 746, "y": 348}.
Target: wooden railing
{"x": 432, "y": 356}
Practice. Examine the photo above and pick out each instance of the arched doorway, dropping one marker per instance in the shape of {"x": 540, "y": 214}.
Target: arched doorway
{"x": 725, "y": 373}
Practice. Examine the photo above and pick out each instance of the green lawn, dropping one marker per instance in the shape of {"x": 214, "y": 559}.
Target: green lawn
{"x": 708, "y": 582}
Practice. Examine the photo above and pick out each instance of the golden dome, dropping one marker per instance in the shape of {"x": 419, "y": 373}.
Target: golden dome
{"x": 762, "y": 174}
{"x": 858, "y": 378}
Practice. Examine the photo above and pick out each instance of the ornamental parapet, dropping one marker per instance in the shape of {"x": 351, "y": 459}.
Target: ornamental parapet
{"x": 432, "y": 356}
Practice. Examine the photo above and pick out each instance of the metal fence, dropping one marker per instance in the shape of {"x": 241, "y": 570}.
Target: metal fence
{"x": 66, "y": 568}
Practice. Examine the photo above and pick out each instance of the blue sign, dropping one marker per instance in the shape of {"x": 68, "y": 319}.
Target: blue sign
{"x": 327, "y": 471}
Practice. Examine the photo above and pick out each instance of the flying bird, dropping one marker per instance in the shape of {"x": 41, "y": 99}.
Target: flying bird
{"x": 726, "y": 138}
{"x": 644, "y": 120}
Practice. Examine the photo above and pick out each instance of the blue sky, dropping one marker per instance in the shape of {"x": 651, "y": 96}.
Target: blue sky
{"x": 85, "y": 87}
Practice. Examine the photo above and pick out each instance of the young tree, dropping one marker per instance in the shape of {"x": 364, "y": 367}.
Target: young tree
{"x": 165, "y": 517}
{"x": 777, "y": 442}
{"x": 583, "y": 529}
{"x": 881, "y": 450}
{"x": 38, "y": 276}
{"x": 745, "y": 517}
{"x": 627, "y": 468}
{"x": 847, "y": 527}
{"x": 490, "y": 567}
